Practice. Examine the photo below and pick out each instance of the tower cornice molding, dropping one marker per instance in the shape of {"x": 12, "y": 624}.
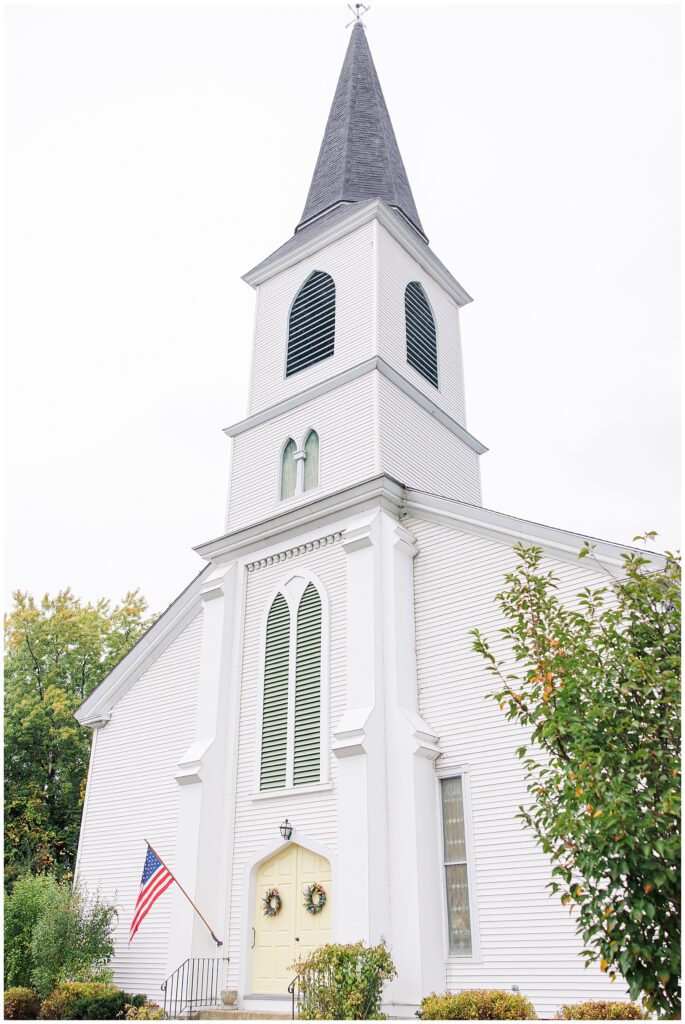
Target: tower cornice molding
{"x": 356, "y": 217}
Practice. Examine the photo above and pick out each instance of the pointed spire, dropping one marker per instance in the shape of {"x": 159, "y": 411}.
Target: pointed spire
{"x": 359, "y": 157}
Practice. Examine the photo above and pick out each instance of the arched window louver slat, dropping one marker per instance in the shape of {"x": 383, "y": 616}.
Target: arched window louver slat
{"x": 422, "y": 348}
{"x": 307, "y": 747}
{"x": 275, "y": 707}
{"x": 288, "y": 470}
{"x": 311, "y": 327}
{"x": 311, "y": 462}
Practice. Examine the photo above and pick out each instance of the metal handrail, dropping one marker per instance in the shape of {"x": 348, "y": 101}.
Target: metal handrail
{"x": 294, "y": 993}
{"x": 197, "y": 982}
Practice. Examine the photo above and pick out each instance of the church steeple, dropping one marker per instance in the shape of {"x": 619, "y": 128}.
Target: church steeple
{"x": 359, "y": 157}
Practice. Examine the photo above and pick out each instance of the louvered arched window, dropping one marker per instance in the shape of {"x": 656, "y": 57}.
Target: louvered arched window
{"x": 422, "y": 347}
{"x": 311, "y": 326}
{"x": 291, "y": 711}
{"x": 276, "y": 688}
{"x": 311, "y": 461}
{"x": 288, "y": 469}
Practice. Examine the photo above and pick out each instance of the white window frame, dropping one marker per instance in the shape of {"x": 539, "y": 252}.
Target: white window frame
{"x": 292, "y": 589}
{"x": 300, "y": 456}
{"x": 475, "y": 956}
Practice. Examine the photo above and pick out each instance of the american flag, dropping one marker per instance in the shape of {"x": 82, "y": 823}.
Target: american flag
{"x": 156, "y": 879}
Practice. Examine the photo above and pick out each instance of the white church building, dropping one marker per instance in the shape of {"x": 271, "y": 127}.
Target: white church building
{"x": 319, "y": 669}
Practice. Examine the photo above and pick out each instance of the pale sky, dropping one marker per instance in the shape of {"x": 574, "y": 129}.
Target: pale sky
{"x": 156, "y": 153}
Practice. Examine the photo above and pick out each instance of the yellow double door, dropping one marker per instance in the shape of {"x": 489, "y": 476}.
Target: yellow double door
{"x": 292, "y": 933}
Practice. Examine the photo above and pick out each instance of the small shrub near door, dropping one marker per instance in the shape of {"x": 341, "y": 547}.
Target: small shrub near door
{"x": 62, "y": 1001}
{"x": 599, "y": 1009}
{"x": 21, "y": 1004}
{"x": 344, "y": 982}
{"x": 477, "y": 1004}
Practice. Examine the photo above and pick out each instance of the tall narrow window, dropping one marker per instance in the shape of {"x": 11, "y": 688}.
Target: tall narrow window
{"x": 307, "y": 743}
{"x": 422, "y": 347}
{"x": 456, "y": 866}
{"x": 311, "y": 327}
{"x": 275, "y": 706}
{"x": 311, "y": 461}
{"x": 288, "y": 470}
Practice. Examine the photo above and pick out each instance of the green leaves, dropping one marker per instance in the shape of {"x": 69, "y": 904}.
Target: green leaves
{"x": 56, "y": 652}
{"x": 597, "y": 684}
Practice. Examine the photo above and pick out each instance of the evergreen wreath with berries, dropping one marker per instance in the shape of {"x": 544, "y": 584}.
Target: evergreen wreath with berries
{"x": 314, "y": 898}
{"x": 272, "y": 902}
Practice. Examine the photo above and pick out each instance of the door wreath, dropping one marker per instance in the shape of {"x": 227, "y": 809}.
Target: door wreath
{"x": 314, "y": 898}
{"x": 272, "y": 902}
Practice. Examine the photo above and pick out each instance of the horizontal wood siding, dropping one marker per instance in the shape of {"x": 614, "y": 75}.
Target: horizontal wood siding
{"x": 133, "y": 795}
{"x": 420, "y": 452}
{"x": 527, "y": 938}
{"x": 345, "y": 423}
{"x": 313, "y": 814}
{"x": 396, "y": 269}
{"x": 349, "y": 261}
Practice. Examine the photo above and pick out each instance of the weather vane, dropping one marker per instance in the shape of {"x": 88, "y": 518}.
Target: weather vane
{"x": 359, "y": 10}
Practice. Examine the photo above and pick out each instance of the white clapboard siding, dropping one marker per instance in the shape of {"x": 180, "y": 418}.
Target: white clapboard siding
{"x": 396, "y": 268}
{"x": 313, "y": 814}
{"x": 344, "y": 419}
{"x": 527, "y": 938}
{"x": 349, "y": 261}
{"x": 422, "y": 453}
{"x": 133, "y": 795}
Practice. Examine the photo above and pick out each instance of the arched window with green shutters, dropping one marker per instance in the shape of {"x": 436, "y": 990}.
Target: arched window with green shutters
{"x": 422, "y": 344}
{"x": 290, "y": 753}
{"x": 276, "y": 692}
{"x": 307, "y": 740}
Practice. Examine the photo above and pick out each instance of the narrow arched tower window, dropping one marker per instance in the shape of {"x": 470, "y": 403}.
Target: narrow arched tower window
{"x": 288, "y": 470}
{"x": 311, "y": 461}
{"x": 311, "y": 327}
{"x": 275, "y": 704}
{"x": 422, "y": 348}
{"x": 307, "y": 740}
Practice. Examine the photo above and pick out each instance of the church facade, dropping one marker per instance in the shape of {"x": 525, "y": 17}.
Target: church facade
{"x": 319, "y": 670}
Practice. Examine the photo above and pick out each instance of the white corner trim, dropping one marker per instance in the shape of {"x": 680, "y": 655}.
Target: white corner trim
{"x": 358, "y": 215}
{"x": 350, "y": 732}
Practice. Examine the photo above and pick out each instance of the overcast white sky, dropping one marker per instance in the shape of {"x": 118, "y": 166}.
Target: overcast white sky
{"x": 156, "y": 153}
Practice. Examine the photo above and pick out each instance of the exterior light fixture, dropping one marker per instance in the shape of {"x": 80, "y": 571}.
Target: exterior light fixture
{"x": 286, "y": 829}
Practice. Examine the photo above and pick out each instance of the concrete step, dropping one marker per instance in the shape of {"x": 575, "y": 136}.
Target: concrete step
{"x": 225, "y": 1013}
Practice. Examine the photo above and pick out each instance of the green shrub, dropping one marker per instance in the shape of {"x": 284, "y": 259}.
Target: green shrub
{"x": 599, "y": 1009}
{"x": 105, "y": 1006}
{"x": 61, "y": 1002}
{"x": 344, "y": 982}
{"x": 23, "y": 908}
{"x": 21, "y": 1003}
{"x": 477, "y": 1004}
{"x": 148, "y": 1011}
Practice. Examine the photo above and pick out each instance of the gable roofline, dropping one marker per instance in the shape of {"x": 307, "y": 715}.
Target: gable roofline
{"x": 345, "y": 220}
{"x": 96, "y": 708}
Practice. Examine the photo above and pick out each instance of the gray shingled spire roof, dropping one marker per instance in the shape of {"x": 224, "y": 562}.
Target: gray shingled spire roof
{"x": 359, "y": 157}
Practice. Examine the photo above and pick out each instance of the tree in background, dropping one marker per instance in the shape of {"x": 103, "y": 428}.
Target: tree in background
{"x": 56, "y": 653}
{"x": 597, "y": 688}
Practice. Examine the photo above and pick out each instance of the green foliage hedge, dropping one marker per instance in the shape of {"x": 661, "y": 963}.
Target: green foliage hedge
{"x": 21, "y": 1003}
{"x": 477, "y": 1004}
{"x": 144, "y": 1011}
{"x": 599, "y": 1009}
{"x": 344, "y": 982}
{"x": 62, "y": 1002}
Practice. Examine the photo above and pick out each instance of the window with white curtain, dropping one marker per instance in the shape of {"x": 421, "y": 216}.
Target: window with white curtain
{"x": 299, "y": 466}
{"x": 455, "y": 848}
{"x": 288, "y": 470}
{"x": 311, "y": 461}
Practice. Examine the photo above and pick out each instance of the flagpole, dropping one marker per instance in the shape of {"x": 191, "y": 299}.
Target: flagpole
{"x": 198, "y": 912}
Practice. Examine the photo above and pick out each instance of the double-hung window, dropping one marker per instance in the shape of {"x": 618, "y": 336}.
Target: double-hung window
{"x": 456, "y": 861}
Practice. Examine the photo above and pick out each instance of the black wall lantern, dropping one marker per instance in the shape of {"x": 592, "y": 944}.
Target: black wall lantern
{"x": 286, "y": 829}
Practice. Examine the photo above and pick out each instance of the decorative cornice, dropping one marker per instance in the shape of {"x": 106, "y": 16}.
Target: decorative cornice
{"x": 294, "y": 552}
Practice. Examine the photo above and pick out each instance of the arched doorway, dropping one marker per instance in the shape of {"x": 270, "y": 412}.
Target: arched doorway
{"x": 293, "y": 932}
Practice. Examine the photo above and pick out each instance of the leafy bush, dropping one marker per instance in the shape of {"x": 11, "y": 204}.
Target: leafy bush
{"x": 21, "y": 1004}
{"x": 72, "y": 940}
{"x": 105, "y": 1006}
{"x": 147, "y": 1011}
{"x": 340, "y": 982}
{"x": 598, "y": 1009}
{"x": 61, "y": 1002}
{"x": 477, "y": 1004}
{"x": 23, "y": 909}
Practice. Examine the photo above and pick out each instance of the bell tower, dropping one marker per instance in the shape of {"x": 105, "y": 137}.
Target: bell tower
{"x": 357, "y": 339}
